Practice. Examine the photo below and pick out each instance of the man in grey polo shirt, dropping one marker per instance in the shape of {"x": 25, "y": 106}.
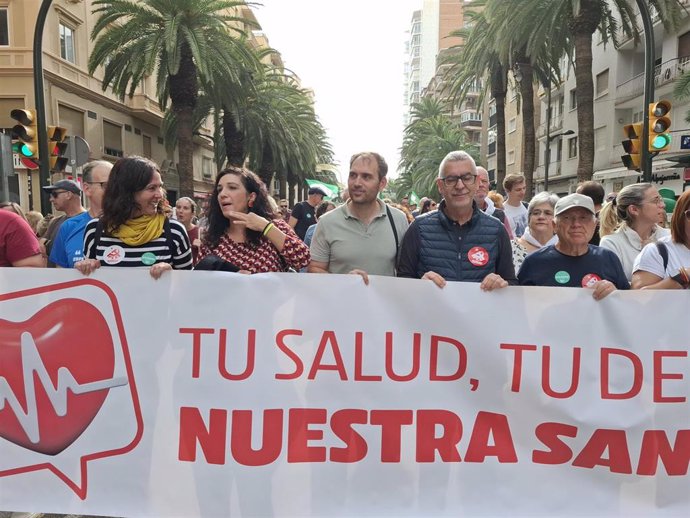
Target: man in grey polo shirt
{"x": 362, "y": 236}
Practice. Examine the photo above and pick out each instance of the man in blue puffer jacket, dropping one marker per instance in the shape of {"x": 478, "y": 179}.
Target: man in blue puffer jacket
{"x": 457, "y": 242}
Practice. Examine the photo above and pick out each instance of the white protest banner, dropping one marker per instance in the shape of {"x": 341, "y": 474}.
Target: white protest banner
{"x": 213, "y": 394}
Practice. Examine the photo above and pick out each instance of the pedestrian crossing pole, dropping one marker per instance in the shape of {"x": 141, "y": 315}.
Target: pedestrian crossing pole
{"x": 39, "y": 97}
{"x": 649, "y": 58}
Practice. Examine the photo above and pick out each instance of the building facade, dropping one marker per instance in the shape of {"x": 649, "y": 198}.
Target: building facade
{"x": 75, "y": 100}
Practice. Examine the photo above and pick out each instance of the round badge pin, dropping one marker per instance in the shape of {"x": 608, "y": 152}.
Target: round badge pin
{"x": 589, "y": 280}
{"x": 113, "y": 254}
{"x": 562, "y": 277}
{"x": 478, "y": 256}
{"x": 148, "y": 258}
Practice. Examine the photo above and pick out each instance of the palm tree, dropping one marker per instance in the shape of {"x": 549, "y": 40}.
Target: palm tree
{"x": 429, "y": 137}
{"x": 565, "y": 23}
{"x": 191, "y": 46}
{"x": 476, "y": 60}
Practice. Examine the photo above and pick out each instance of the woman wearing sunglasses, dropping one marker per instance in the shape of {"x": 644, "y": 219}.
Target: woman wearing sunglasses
{"x": 666, "y": 264}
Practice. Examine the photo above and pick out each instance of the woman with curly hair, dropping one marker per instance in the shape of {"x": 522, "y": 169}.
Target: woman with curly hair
{"x": 243, "y": 229}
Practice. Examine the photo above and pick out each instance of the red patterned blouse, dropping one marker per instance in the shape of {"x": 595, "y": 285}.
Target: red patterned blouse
{"x": 263, "y": 257}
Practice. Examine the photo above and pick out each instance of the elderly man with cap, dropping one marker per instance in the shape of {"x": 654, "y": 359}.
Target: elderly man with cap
{"x": 65, "y": 195}
{"x": 573, "y": 261}
{"x": 68, "y": 247}
{"x": 303, "y": 213}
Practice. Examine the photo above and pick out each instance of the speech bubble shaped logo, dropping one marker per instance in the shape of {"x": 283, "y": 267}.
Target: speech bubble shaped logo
{"x": 67, "y": 388}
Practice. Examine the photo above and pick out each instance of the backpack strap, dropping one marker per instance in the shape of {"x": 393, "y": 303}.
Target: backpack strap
{"x": 395, "y": 231}
{"x": 663, "y": 252}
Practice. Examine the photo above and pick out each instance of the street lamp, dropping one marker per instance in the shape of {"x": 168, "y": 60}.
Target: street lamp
{"x": 547, "y": 153}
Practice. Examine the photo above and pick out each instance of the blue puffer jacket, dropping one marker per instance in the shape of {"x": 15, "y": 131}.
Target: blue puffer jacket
{"x": 442, "y": 252}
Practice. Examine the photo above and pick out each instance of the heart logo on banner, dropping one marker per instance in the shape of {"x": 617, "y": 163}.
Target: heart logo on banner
{"x": 72, "y": 338}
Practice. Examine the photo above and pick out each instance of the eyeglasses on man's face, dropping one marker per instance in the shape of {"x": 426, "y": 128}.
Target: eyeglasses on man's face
{"x": 452, "y": 181}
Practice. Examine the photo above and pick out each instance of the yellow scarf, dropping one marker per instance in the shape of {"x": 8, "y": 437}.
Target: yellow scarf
{"x": 141, "y": 230}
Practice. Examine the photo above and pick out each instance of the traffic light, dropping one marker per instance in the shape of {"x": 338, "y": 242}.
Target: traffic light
{"x": 659, "y": 125}
{"x": 632, "y": 146}
{"x": 57, "y": 147}
{"x": 26, "y": 133}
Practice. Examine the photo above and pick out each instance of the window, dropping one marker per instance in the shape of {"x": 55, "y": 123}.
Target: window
{"x": 600, "y": 139}
{"x": 561, "y": 105}
{"x": 207, "y": 167}
{"x": 146, "y": 143}
{"x": 112, "y": 139}
{"x": 637, "y": 117}
{"x": 510, "y": 158}
{"x": 67, "y": 43}
{"x": 72, "y": 120}
{"x": 559, "y": 150}
{"x": 512, "y": 124}
{"x": 573, "y": 99}
{"x": 602, "y": 83}
{"x": 684, "y": 45}
{"x": 4, "y": 28}
{"x": 572, "y": 147}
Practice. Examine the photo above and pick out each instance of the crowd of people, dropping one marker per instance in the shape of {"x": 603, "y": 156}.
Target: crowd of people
{"x": 584, "y": 239}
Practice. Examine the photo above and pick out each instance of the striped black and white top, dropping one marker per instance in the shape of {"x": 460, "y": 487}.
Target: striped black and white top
{"x": 111, "y": 251}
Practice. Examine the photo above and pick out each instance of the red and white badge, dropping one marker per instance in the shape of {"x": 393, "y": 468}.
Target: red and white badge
{"x": 478, "y": 256}
{"x": 113, "y": 254}
{"x": 590, "y": 279}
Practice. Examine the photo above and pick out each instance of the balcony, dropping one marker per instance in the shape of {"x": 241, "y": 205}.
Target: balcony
{"x": 471, "y": 119}
{"x": 664, "y": 73}
{"x": 556, "y": 125}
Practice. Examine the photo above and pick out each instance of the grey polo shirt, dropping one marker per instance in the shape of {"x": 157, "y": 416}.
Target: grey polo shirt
{"x": 345, "y": 243}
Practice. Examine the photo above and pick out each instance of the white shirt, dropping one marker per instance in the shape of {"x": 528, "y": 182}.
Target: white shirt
{"x": 627, "y": 245}
{"x": 650, "y": 260}
{"x": 517, "y": 217}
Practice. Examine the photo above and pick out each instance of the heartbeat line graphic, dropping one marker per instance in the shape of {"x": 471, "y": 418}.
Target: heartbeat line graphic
{"x": 32, "y": 363}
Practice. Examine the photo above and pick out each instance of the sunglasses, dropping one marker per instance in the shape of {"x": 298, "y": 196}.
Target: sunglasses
{"x": 55, "y": 194}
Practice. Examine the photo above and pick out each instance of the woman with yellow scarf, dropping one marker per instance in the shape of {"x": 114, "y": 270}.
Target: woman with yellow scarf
{"x": 133, "y": 230}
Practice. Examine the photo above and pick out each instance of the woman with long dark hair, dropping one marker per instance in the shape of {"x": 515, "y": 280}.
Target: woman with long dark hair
{"x": 133, "y": 230}
{"x": 243, "y": 229}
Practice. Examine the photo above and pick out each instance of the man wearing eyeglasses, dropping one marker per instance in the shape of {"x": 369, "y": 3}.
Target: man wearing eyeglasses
{"x": 458, "y": 242}
{"x": 65, "y": 195}
{"x": 573, "y": 261}
{"x": 69, "y": 242}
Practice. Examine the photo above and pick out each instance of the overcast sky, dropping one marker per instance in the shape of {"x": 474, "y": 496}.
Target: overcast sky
{"x": 351, "y": 54}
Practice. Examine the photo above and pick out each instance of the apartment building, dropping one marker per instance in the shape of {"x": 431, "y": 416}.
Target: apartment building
{"x": 430, "y": 31}
{"x": 75, "y": 100}
{"x": 618, "y": 100}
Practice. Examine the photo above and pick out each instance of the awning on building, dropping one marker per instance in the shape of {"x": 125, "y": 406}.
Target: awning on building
{"x": 614, "y": 173}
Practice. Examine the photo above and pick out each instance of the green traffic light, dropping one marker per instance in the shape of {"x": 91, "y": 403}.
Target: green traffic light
{"x": 661, "y": 141}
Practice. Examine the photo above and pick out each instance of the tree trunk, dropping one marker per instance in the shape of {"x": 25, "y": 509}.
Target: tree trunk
{"x": 498, "y": 92}
{"x": 234, "y": 140}
{"x": 528, "y": 133}
{"x": 185, "y": 145}
{"x": 584, "y": 24}
{"x": 184, "y": 92}
{"x": 283, "y": 187}
{"x": 267, "y": 166}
